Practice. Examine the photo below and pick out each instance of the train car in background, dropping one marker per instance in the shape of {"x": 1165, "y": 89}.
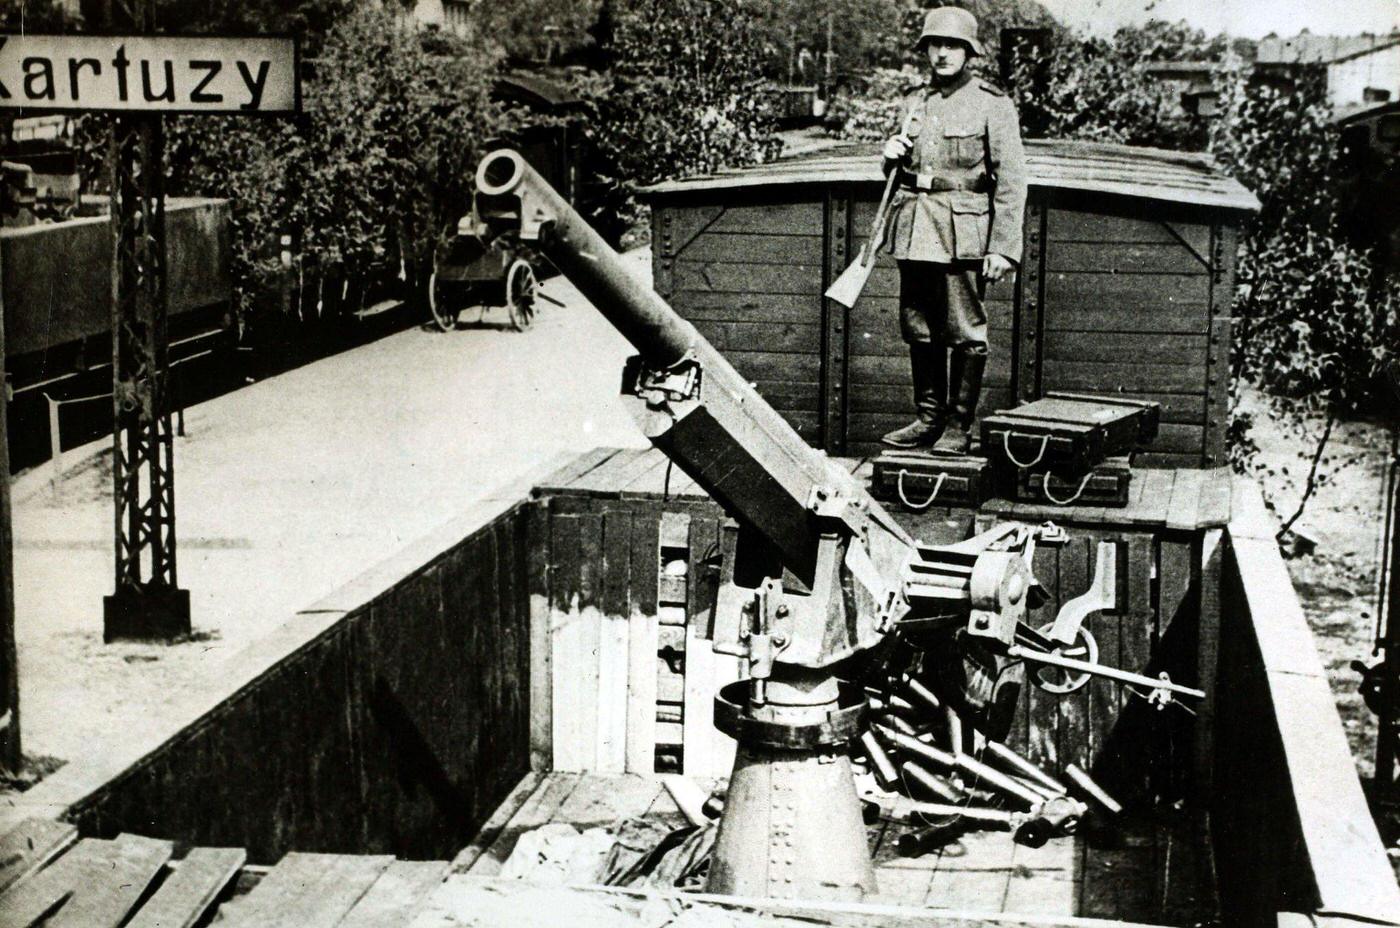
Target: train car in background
{"x": 1371, "y": 155}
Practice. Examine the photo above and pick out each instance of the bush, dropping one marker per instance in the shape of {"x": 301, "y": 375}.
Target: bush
{"x": 1095, "y": 89}
{"x": 1316, "y": 319}
{"x": 1085, "y": 87}
{"x": 869, "y": 110}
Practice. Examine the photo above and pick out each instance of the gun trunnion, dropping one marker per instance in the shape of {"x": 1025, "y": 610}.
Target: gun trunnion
{"x": 814, "y": 573}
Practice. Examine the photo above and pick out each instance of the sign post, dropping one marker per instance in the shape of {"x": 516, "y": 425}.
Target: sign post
{"x": 139, "y": 78}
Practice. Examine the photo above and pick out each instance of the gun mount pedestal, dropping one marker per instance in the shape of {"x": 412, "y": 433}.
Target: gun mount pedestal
{"x": 792, "y": 826}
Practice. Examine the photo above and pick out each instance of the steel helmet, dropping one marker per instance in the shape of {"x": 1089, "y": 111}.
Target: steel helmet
{"x": 951, "y": 22}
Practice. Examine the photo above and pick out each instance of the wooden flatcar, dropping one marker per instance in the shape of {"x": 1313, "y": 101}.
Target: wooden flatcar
{"x": 538, "y": 658}
{"x": 1126, "y": 286}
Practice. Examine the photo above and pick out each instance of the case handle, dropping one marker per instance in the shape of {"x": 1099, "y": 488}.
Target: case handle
{"x": 1045, "y": 488}
{"x": 918, "y": 507}
{"x": 1006, "y": 444}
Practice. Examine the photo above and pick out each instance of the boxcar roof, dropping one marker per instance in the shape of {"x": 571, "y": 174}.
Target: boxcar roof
{"x": 1151, "y": 173}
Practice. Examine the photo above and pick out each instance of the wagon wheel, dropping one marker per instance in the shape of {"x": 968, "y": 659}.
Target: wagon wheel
{"x": 1061, "y": 680}
{"x": 443, "y": 304}
{"x": 520, "y": 294}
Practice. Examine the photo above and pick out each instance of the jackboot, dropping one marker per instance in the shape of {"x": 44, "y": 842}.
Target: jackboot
{"x": 929, "y": 365}
{"x": 968, "y": 367}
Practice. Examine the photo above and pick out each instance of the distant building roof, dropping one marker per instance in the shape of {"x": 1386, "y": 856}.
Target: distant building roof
{"x": 1358, "y": 112}
{"x": 1181, "y": 67}
{"x": 1306, "y": 48}
{"x": 1151, "y": 173}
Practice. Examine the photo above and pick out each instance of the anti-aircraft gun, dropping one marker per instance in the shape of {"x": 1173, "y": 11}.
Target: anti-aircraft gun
{"x": 813, "y": 579}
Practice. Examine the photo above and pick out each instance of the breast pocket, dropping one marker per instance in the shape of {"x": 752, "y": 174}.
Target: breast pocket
{"x": 971, "y": 224}
{"x": 963, "y": 145}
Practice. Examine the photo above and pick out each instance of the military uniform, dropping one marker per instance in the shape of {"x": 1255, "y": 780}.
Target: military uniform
{"x": 960, "y": 197}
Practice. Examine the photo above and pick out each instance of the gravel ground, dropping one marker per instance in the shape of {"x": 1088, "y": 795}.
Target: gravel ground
{"x": 1337, "y": 580}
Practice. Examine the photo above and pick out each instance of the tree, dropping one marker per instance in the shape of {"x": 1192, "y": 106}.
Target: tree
{"x": 1092, "y": 88}
{"x": 368, "y": 175}
{"x": 863, "y": 33}
{"x": 685, "y": 95}
{"x": 1315, "y": 319}
{"x": 34, "y": 16}
{"x": 535, "y": 30}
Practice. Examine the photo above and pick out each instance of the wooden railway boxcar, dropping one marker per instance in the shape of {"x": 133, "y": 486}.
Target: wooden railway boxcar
{"x": 1125, "y": 287}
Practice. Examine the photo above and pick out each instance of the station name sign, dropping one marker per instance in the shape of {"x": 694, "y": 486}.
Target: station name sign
{"x": 159, "y": 74}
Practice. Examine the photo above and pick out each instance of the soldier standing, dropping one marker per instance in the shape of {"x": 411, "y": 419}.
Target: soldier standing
{"x": 954, "y": 226}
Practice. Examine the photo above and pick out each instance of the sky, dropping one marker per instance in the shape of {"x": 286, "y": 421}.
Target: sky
{"x": 1248, "y": 18}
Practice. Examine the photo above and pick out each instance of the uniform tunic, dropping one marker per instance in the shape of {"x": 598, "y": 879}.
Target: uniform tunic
{"x": 960, "y": 196}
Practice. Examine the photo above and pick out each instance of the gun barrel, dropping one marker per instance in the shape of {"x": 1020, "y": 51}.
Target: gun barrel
{"x": 731, "y": 442}
{"x": 644, "y": 319}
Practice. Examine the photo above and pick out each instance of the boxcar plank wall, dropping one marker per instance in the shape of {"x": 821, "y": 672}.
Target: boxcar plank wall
{"x": 1126, "y": 308}
{"x": 1104, "y": 727}
{"x": 880, "y": 392}
{"x": 750, "y": 277}
{"x": 1125, "y": 288}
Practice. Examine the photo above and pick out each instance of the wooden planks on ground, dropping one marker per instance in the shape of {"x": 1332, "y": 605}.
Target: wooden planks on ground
{"x": 492, "y": 828}
{"x": 978, "y": 878}
{"x": 30, "y": 845}
{"x": 306, "y": 891}
{"x": 1044, "y": 880}
{"x": 1156, "y": 495}
{"x": 1216, "y": 497}
{"x": 95, "y": 885}
{"x": 1185, "y": 500}
{"x": 606, "y": 801}
{"x": 1120, "y": 882}
{"x": 397, "y": 896}
{"x": 188, "y": 893}
{"x": 537, "y": 810}
{"x": 1185, "y": 890}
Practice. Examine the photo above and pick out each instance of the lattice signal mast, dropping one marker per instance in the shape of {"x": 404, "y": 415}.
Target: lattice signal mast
{"x": 147, "y": 602}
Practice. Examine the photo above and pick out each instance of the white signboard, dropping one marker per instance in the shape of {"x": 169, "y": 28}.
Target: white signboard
{"x": 162, "y": 74}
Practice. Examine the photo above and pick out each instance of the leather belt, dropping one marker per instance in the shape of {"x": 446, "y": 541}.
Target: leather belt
{"x": 939, "y": 183}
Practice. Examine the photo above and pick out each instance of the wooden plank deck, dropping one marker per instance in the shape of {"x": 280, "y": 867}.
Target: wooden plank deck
{"x": 1140, "y": 878}
{"x": 1151, "y": 875}
{"x": 1175, "y": 500}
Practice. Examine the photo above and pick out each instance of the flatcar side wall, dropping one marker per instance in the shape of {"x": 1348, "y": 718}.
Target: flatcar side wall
{"x": 1290, "y": 824}
{"x": 392, "y": 717}
{"x": 621, "y": 640}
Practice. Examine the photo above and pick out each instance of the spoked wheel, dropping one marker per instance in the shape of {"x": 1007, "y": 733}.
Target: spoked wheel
{"x": 444, "y": 304}
{"x": 520, "y": 294}
{"x": 1061, "y": 679}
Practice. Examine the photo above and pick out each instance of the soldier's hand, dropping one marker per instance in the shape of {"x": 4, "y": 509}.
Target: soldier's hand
{"x": 897, "y": 148}
{"x": 995, "y": 267}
